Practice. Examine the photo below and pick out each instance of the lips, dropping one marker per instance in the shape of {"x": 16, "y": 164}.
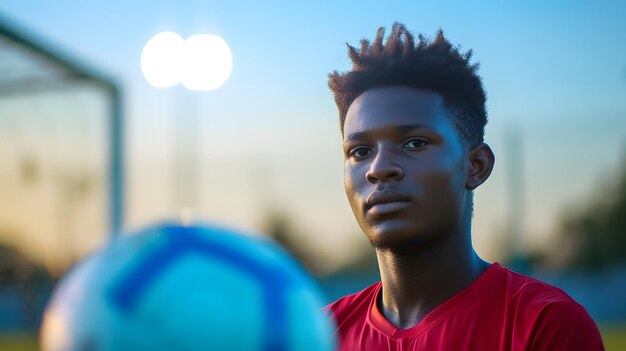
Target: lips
{"x": 386, "y": 201}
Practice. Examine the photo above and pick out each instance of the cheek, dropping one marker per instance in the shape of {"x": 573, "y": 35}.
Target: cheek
{"x": 352, "y": 185}
{"x": 445, "y": 182}
{"x": 348, "y": 182}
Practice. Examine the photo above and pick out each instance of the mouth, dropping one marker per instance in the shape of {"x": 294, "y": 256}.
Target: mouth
{"x": 386, "y": 202}
{"x": 388, "y": 207}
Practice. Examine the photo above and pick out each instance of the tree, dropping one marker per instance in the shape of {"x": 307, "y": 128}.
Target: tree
{"x": 280, "y": 227}
{"x": 31, "y": 280}
{"x": 595, "y": 236}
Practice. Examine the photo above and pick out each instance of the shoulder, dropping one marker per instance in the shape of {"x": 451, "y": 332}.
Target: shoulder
{"x": 551, "y": 319}
{"x": 520, "y": 289}
{"x": 565, "y": 325}
{"x": 535, "y": 298}
{"x": 534, "y": 295}
{"x": 356, "y": 303}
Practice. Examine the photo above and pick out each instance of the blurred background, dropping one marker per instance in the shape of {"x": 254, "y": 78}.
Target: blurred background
{"x": 89, "y": 148}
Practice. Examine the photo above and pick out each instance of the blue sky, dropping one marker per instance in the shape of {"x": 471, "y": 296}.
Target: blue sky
{"x": 555, "y": 71}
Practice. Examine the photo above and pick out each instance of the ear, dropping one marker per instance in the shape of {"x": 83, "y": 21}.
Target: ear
{"x": 481, "y": 162}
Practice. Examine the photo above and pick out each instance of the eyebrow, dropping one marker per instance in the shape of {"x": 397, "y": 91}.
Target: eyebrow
{"x": 405, "y": 129}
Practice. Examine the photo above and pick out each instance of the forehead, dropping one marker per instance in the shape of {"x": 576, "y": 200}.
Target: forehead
{"x": 392, "y": 107}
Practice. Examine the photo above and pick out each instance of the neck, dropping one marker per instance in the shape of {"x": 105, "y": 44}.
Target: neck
{"x": 415, "y": 284}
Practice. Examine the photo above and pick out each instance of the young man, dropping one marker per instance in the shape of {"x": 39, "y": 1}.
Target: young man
{"x": 413, "y": 117}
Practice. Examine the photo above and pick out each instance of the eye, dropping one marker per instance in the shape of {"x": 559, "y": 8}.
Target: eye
{"x": 360, "y": 152}
{"x": 415, "y": 144}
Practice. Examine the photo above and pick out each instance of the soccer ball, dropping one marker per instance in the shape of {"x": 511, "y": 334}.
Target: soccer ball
{"x": 186, "y": 288}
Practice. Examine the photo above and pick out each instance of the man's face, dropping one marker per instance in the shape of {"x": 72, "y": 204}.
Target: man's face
{"x": 404, "y": 167}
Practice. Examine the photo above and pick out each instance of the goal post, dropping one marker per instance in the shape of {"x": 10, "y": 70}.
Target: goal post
{"x": 62, "y": 137}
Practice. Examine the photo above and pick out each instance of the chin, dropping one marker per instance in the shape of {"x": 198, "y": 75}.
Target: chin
{"x": 401, "y": 238}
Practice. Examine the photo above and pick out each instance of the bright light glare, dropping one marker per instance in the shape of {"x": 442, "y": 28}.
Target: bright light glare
{"x": 202, "y": 62}
{"x": 207, "y": 62}
{"x": 161, "y": 58}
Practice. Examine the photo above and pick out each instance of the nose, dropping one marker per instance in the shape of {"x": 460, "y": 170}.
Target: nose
{"x": 383, "y": 168}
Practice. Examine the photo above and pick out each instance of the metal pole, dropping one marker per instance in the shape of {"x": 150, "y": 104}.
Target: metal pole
{"x": 116, "y": 164}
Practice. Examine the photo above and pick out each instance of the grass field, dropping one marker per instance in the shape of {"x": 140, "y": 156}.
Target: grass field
{"x": 18, "y": 342}
{"x": 614, "y": 337}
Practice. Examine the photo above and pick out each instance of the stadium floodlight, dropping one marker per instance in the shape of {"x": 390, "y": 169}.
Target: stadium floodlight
{"x": 203, "y": 62}
{"x": 207, "y": 62}
{"x": 161, "y": 59}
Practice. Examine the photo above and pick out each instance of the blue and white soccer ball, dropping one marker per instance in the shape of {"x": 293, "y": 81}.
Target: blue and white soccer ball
{"x": 186, "y": 288}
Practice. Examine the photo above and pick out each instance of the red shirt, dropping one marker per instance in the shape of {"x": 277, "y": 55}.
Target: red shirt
{"x": 501, "y": 310}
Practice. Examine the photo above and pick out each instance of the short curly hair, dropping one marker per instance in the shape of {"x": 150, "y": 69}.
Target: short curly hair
{"x": 436, "y": 65}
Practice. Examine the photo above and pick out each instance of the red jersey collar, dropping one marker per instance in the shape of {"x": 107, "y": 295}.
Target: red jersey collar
{"x": 376, "y": 319}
